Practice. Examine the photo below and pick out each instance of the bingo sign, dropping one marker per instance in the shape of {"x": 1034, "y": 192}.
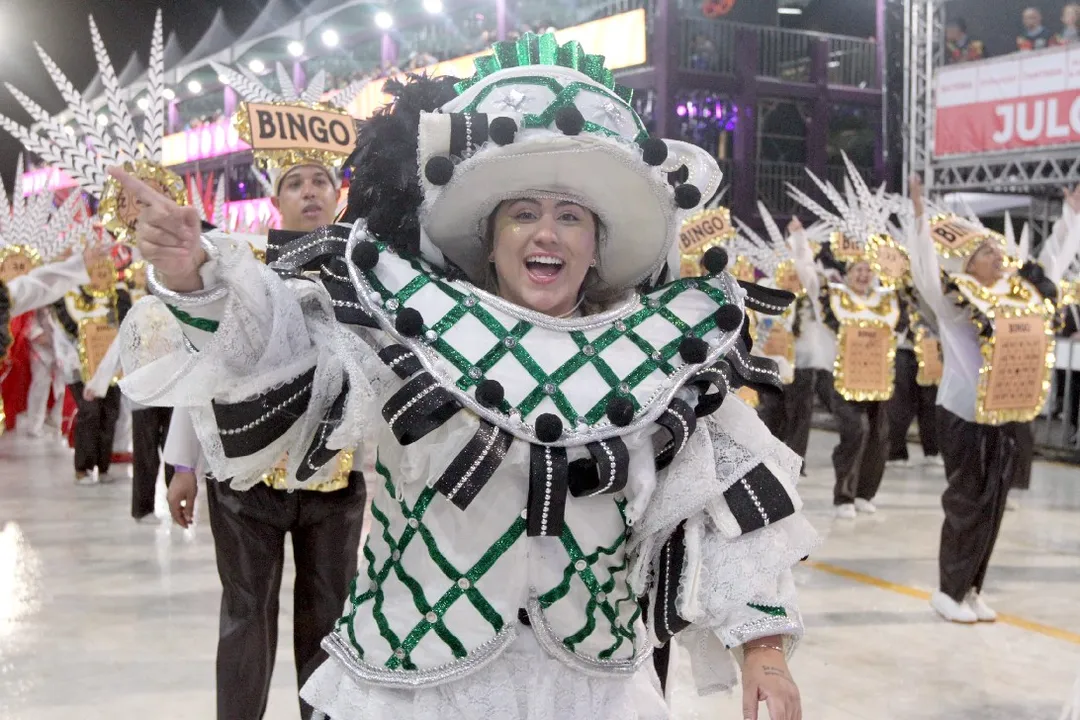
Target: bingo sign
{"x": 290, "y": 127}
{"x": 705, "y": 230}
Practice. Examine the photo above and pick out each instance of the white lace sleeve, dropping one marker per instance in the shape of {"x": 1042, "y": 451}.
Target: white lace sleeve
{"x": 715, "y": 547}
{"x": 259, "y": 347}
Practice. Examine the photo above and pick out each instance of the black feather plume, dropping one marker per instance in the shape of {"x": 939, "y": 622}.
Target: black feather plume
{"x": 385, "y": 186}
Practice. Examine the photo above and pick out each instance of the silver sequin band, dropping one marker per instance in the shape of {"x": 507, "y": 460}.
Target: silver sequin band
{"x": 430, "y": 360}
{"x": 593, "y": 667}
{"x": 340, "y": 649}
{"x": 195, "y": 299}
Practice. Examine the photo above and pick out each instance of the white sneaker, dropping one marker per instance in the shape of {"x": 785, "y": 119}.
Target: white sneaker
{"x": 86, "y": 479}
{"x": 150, "y": 519}
{"x": 983, "y": 612}
{"x": 951, "y": 610}
{"x": 865, "y": 506}
{"x": 934, "y": 461}
{"x": 1011, "y": 503}
{"x": 846, "y": 511}
{"x": 899, "y": 463}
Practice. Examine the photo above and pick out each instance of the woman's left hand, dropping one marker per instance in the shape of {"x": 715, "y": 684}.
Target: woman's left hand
{"x": 766, "y": 678}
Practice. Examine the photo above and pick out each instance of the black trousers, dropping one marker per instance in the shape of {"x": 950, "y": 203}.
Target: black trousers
{"x": 911, "y": 400}
{"x": 149, "y": 429}
{"x": 1025, "y": 456}
{"x": 979, "y": 467}
{"x": 799, "y": 409}
{"x": 859, "y": 457}
{"x": 249, "y": 531}
{"x": 95, "y": 426}
{"x": 772, "y": 410}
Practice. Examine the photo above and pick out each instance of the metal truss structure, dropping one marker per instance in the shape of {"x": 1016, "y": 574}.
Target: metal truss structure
{"x": 1037, "y": 172}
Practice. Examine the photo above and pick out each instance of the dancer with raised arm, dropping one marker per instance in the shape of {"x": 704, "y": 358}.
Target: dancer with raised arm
{"x": 995, "y": 317}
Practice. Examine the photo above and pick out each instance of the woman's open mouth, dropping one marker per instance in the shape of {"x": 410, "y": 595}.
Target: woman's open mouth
{"x": 544, "y": 269}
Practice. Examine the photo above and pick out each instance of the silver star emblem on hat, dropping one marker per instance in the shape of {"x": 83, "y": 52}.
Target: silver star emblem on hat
{"x": 512, "y": 99}
{"x": 614, "y": 114}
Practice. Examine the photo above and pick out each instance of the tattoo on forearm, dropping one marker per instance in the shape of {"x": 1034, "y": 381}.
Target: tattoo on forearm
{"x": 771, "y": 671}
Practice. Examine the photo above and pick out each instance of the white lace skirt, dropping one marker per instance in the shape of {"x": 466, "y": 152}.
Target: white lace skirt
{"x": 523, "y": 683}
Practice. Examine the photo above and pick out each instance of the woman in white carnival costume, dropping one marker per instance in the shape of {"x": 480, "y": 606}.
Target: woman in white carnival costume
{"x": 552, "y": 445}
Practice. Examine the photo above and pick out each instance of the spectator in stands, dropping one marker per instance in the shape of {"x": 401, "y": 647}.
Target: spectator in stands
{"x": 1035, "y": 36}
{"x": 960, "y": 48}
{"x": 1070, "y": 20}
{"x": 702, "y": 53}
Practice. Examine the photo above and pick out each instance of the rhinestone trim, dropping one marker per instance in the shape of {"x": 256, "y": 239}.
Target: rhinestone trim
{"x": 611, "y": 474}
{"x": 407, "y": 406}
{"x": 754, "y": 499}
{"x": 338, "y": 648}
{"x": 476, "y": 465}
{"x": 593, "y": 667}
{"x": 267, "y": 415}
{"x": 512, "y": 422}
{"x": 685, "y": 429}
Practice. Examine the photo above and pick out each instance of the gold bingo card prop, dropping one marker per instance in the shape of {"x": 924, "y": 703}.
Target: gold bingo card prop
{"x": 1015, "y": 376}
{"x": 865, "y": 361}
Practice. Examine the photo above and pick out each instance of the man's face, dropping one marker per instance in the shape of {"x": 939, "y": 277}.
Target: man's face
{"x": 953, "y": 33}
{"x": 1032, "y": 19}
{"x": 306, "y": 199}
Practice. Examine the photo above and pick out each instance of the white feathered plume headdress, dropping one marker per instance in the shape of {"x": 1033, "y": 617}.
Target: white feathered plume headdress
{"x": 87, "y": 153}
{"x": 32, "y": 229}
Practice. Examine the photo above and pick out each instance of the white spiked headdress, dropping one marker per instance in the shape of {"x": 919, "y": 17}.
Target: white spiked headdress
{"x": 87, "y": 154}
{"x": 278, "y": 162}
{"x": 861, "y": 227}
{"x": 32, "y": 229}
{"x": 771, "y": 256}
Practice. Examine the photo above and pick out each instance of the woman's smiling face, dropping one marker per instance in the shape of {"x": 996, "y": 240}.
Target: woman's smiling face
{"x": 542, "y": 251}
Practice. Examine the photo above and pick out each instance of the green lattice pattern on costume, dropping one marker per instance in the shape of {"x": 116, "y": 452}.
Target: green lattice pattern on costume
{"x": 532, "y": 49}
{"x": 377, "y": 577}
{"x": 564, "y": 97}
{"x": 621, "y": 632}
{"x": 655, "y": 305}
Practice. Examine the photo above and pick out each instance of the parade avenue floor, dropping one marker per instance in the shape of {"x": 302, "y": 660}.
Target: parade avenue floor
{"x": 103, "y": 618}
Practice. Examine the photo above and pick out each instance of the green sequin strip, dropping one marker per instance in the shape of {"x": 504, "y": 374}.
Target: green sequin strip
{"x": 531, "y": 49}
{"x": 771, "y": 610}
{"x": 463, "y": 584}
{"x": 564, "y": 97}
{"x": 601, "y": 593}
{"x": 508, "y": 342}
{"x": 204, "y": 324}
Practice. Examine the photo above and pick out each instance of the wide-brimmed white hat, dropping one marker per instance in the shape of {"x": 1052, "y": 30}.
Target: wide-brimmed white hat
{"x": 542, "y": 119}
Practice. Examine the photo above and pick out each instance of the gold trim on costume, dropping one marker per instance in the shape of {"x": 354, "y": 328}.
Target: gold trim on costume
{"x": 17, "y": 260}
{"x": 889, "y": 260}
{"x": 852, "y": 383}
{"x": 849, "y": 304}
{"x": 119, "y": 210}
{"x": 90, "y": 356}
{"x": 956, "y": 237}
{"x": 846, "y": 249}
{"x": 925, "y": 347}
{"x": 269, "y": 159}
{"x": 1012, "y": 298}
{"x": 135, "y": 276}
{"x": 786, "y": 278}
{"x": 278, "y": 479}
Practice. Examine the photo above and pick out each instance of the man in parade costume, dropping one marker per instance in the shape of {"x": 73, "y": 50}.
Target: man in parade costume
{"x": 250, "y": 526}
